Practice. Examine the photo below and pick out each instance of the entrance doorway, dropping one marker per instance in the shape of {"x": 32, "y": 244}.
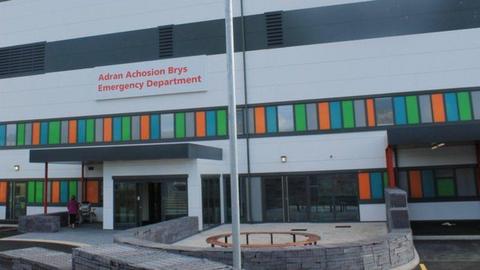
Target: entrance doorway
{"x": 17, "y": 200}
{"x": 142, "y": 201}
{"x": 211, "y": 201}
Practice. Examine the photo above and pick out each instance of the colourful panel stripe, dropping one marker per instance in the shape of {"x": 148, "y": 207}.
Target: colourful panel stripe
{"x": 72, "y": 131}
{"x": 90, "y": 131}
{"x": 36, "y": 133}
{"x": 180, "y": 125}
{"x": 155, "y": 127}
{"x": 72, "y": 188}
{"x": 3, "y": 135}
{"x": 81, "y": 130}
{"x": 44, "y": 133}
{"x": 415, "y": 184}
{"x": 21, "y": 134}
{"x": 126, "y": 128}
{"x": 200, "y": 124}
{"x": 413, "y": 115}
{"x": 324, "y": 115}
{"x": 451, "y": 106}
{"x": 348, "y": 114}
{"x": 3, "y": 191}
{"x": 144, "y": 127}
{"x": 211, "y": 123}
{"x": 445, "y": 187}
{"x": 260, "y": 120}
{"x": 271, "y": 119}
{"x": 300, "y": 117}
{"x": 54, "y": 132}
{"x": 222, "y": 123}
{"x": 107, "y": 129}
{"x": 364, "y": 186}
{"x": 335, "y": 115}
{"x": 64, "y": 191}
{"x": 464, "y": 106}
{"x": 31, "y": 191}
{"x": 438, "y": 108}
{"x": 117, "y": 129}
{"x": 400, "y": 110}
{"x": 428, "y": 186}
{"x": 370, "y": 112}
{"x": 376, "y": 184}
{"x": 92, "y": 195}
{"x": 39, "y": 192}
{"x": 55, "y": 192}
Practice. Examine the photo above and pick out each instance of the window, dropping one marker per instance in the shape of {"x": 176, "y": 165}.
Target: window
{"x": 384, "y": 111}
{"x": 167, "y": 129}
{"x": 465, "y": 180}
{"x": 285, "y": 118}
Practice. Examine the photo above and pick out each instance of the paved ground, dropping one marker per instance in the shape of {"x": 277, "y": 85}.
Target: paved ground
{"x": 449, "y": 255}
{"x": 329, "y": 232}
{"x": 86, "y": 234}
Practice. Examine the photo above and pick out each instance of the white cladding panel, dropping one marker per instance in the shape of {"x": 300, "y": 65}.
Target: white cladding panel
{"x": 444, "y": 210}
{"x": 373, "y": 212}
{"x": 24, "y": 21}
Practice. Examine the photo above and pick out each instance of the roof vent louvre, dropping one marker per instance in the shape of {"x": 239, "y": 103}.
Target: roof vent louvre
{"x": 165, "y": 41}
{"x": 22, "y": 59}
{"x": 274, "y": 27}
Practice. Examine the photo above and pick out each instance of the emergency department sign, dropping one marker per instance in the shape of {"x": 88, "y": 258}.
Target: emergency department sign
{"x": 160, "y": 77}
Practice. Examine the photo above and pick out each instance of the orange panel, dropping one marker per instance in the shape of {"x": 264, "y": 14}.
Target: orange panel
{"x": 92, "y": 191}
{"x": 107, "y": 129}
{"x": 324, "y": 115}
{"x": 415, "y": 184}
{"x": 55, "y": 192}
{"x": 3, "y": 192}
{"x": 72, "y": 131}
{"x": 260, "y": 120}
{"x": 364, "y": 186}
{"x": 36, "y": 133}
{"x": 438, "y": 108}
{"x": 144, "y": 127}
{"x": 370, "y": 113}
{"x": 200, "y": 123}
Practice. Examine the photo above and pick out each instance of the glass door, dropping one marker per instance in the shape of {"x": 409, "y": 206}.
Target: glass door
{"x": 17, "y": 200}
{"x": 211, "y": 201}
{"x": 298, "y": 198}
{"x": 274, "y": 202}
{"x": 346, "y": 198}
{"x": 126, "y": 204}
{"x": 322, "y": 198}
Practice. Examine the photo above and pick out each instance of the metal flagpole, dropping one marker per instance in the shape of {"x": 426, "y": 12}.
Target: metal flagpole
{"x": 232, "y": 118}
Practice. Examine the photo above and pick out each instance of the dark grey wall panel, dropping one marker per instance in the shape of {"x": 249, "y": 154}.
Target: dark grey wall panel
{"x": 346, "y": 22}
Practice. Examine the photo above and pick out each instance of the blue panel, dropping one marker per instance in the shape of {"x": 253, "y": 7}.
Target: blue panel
{"x": 271, "y": 119}
{"x": 335, "y": 115}
{"x": 428, "y": 186}
{"x": 400, "y": 110}
{"x": 64, "y": 191}
{"x": 376, "y": 184}
{"x": 451, "y": 106}
{"x": 117, "y": 128}
{"x": 44, "y": 133}
{"x": 211, "y": 124}
{"x": 154, "y": 127}
{"x": 81, "y": 131}
{"x": 3, "y": 130}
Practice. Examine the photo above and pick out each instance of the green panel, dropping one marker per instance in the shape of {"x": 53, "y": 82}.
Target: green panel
{"x": 21, "y": 134}
{"x": 180, "y": 125}
{"x": 72, "y": 189}
{"x": 348, "y": 114}
{"x": 413, "y": 117}
{"x": 90, "y": 130}
{"x": 222, "y": 122}
{"x": 445, "y": 187}
{"x": 300, "y": 117}
{"x": 39, "y": 192}
{"x": 54, "y": 132}
{"x": 464, "y": 106}
{"x": 31, "y": 191}
{"x": 385, "y": 179}
{"x": 126, "y": 128}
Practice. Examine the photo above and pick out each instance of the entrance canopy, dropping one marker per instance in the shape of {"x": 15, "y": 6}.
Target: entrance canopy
{"x": 125, "y": 153}
{"x": 428, "y": 135}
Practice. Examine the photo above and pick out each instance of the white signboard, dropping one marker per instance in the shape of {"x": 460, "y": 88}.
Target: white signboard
{"x": 160, "y": 77}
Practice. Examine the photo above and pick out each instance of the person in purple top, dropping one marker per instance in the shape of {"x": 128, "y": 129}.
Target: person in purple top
{"x": 72, "y": 207}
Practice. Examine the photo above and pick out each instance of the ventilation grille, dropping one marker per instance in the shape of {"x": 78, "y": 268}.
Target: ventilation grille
{"x": 22, "y": 59}
{"x": 273, "y": 22}
{"x": 165, "y": 41}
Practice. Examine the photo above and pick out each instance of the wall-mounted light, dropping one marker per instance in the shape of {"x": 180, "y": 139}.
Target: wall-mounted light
{"x": 283, "y": 159}
{"x": 16, "y": 168}
{"x": 437, "y": 145}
